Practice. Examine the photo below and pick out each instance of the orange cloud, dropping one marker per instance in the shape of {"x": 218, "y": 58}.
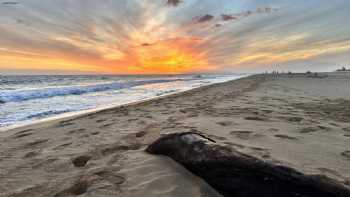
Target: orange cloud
{"x": 177, "y": 55}
{"x": 147, "y": 37}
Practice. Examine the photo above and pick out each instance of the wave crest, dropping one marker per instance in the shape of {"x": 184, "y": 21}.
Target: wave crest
{"x": 24, "y": 95}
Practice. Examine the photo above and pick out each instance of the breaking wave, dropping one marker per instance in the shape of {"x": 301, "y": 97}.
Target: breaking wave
{"x": 24, "y": 95}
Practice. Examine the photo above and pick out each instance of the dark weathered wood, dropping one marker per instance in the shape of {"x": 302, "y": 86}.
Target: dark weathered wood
{"x": 234, "y": 174}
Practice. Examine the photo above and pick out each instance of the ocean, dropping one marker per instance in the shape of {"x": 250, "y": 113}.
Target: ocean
{"x": 24, "y": 99}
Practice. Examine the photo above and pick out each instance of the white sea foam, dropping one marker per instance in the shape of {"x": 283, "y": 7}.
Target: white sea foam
{"x": 23, "y": 95}
{"x": 27, "y": 98}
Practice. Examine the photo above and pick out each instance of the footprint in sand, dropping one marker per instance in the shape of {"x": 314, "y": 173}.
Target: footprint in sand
{"x": 346, "y": 154}
{"x": 184, "y": 111}
{"x": 192, "y": 115}
{"x": 62, "y": 146}
{"x": 31, "y": 154}
{"x": 95, "y": 133}
{"x": 334, "y": 124}
{"x": 323, "y": 128}
{"x": 273, "y": 130}
{"x": 24, "y": 131}
{"x": 106, "y": 125}
{"x": 267, "y": 111}
{"x": 140, "y": 134}
{"x": 65, "y": 123}
{"x": 75, "y": 131}
{"x": 101, "y": 120}
{"x": 35, "y": 143}
{"x": 78, "y": 188}
{"x": 111, "y": 177}
{"x": 286, "y": 137}
{"x": 346, "y": 129}
{"x": 295, "y": 119}
{"x": 309, "y": 130}
{"x": 84, "y": 136}
{"x": 149, "y": 116}
{"x": 81, "y": 161}
{"x": 22, "y": 135}
{"x": 256, "y": 118}
{"x": 314, "y": 129}
{"x": 245, "y": 135}
{"x": 225, "y": 123}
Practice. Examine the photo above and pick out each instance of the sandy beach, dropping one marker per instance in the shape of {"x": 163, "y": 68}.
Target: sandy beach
{"x": 298, "y": 121}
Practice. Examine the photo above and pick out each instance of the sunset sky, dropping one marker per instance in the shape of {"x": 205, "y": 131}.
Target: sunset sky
{"x": 172, "y": 36}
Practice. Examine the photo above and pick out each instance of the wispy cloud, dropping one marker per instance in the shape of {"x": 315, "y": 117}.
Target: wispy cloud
{"x": 173, "y": 2}
{"x": 132, "y": 36}
{"x": 205, "y": 18}
{"x": 10, "y": 3}
{"x": 226, "y": 17}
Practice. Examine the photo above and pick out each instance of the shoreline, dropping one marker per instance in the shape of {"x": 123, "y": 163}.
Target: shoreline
{"x": 77, "y": 114}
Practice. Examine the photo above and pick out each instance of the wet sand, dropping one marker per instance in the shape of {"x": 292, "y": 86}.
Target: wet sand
{"x": 298, "y": 121}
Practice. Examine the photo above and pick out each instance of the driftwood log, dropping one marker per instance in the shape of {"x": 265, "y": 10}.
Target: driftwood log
{"x": 234, "y": 174}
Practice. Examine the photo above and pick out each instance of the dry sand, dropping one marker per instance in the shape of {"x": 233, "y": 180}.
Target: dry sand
{"x": 299, "y": 121}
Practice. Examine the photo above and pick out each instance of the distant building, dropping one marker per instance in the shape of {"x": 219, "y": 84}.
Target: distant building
{"x": 343, "y": 69}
